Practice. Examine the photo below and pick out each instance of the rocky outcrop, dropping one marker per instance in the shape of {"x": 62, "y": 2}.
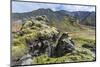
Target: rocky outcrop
{"x": 50, "y": 41}
{"x": 39, "y": 38}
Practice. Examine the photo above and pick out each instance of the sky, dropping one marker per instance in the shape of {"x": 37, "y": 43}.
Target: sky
{"x": 20, "y": 7}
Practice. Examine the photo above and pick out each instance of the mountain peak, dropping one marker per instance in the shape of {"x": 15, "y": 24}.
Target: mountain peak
{"x": 42, "y": 9}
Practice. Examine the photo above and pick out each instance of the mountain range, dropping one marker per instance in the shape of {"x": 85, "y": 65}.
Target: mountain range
{"x": 84, "y": 17}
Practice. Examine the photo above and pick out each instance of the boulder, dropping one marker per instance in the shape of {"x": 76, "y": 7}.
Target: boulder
{"x": 64, "y": 45}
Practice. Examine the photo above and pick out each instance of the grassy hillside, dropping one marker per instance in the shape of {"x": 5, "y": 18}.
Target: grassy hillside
{"x": 82, "y": 36}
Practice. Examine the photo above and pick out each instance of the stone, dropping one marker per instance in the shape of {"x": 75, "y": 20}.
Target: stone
{"x": 64, "y": 45}
{"x": 51, "y": 51}
{"x": 26, "y": 60}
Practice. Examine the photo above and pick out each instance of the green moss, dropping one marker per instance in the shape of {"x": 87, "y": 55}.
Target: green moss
{"x": 27, "y": 24}
{"x": 18, "y": 51}
{"x": 81, "y": 41}
{"x": 80, "y": 54}
{"x": 30, "y": 36}
{"x": 39, "y": 18}
{"x": 15, "y": 35}
{"x": 16, "y": 42}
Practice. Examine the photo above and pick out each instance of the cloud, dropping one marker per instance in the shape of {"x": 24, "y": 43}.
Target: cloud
{"x": 78, "y": 8}
{"x": 29, "y": 6}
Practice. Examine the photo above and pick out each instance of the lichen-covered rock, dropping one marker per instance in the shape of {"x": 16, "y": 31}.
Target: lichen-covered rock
{"x": 37, "y": 38}
{"x": 62, "y": 46}
{"x": 42, "y": 18}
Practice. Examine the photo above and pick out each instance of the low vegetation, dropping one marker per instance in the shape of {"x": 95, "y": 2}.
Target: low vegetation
{"x": 80, "y": 36}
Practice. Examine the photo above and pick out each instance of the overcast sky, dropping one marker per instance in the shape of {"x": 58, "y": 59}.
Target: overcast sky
{"x": 19, "y": 7}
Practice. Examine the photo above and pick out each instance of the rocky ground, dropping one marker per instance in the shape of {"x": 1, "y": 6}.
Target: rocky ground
{"x": 38, "y": 43}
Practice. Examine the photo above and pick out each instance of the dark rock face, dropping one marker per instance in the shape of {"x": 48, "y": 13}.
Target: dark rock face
{"x": 62, "y": 46}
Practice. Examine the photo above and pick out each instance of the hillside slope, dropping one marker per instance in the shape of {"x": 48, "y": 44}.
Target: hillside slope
{"x": 84, "y": 17}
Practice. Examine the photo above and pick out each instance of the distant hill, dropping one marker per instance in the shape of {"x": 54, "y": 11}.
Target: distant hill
{"x": 84, "y": 17}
